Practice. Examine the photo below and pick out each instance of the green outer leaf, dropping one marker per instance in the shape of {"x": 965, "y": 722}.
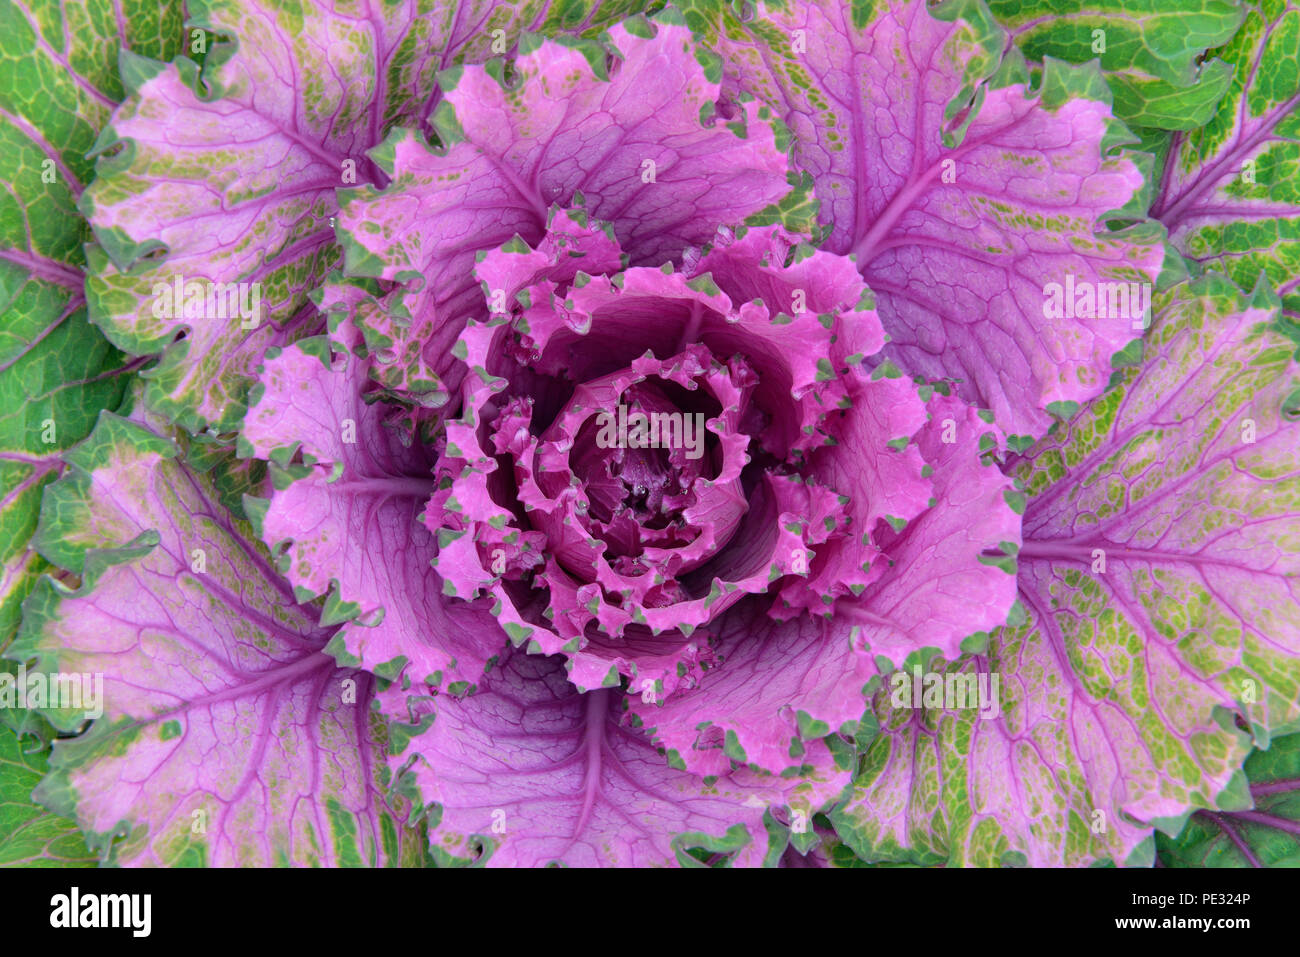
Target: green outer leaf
{"x": 1268, "y": 835}
{"x": 1215, "y": 215}
{"x": 61, "y": 83}
{"x": 1150, "y": 50}
{"x": 56, "y": 371}
{"x": 1220, "y": 466}
{"x": 31, "y": 836}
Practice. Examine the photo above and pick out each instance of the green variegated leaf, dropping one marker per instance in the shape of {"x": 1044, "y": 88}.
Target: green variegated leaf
{"x": 1230, "y": 193}
{"x": 58, "y": 88}
{"x": 1151, "y": 50}
{"x": 31, "y": 836}
{"x": 1160, "y": 105}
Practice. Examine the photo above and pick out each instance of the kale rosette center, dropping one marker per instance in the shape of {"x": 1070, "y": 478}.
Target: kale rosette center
{"x": 636, "y": 449}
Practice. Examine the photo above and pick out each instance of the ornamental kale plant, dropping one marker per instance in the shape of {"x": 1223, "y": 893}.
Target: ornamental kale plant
{"x": 802, "y": 432}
